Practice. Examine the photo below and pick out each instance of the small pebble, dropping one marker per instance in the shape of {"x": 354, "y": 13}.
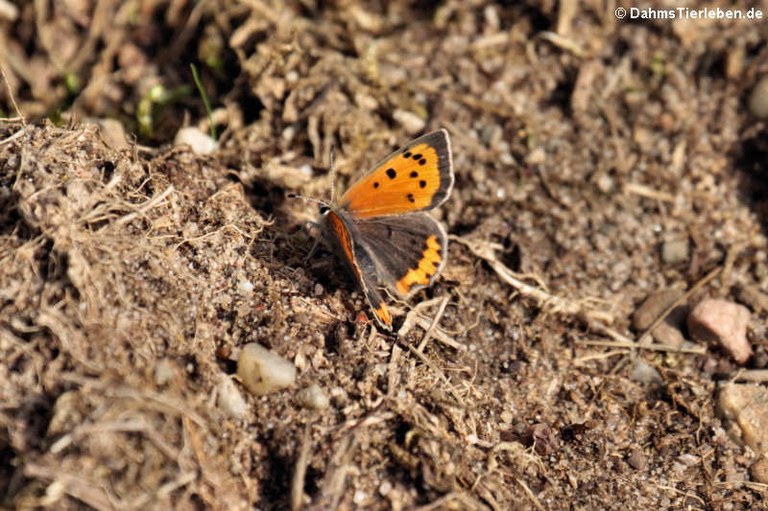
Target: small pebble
{"x": 722, "y": 322}
{"x": 644, "y": 373}
{"x": 605, "y": 183}
{"x": 668, "y": 332}
{"x": 689, "y": 460}
{"x": 744, "y": 408}
{"x": 411, "y": 122}
{"x": 230, "y": 398}
{"x": 263, "y": 372}
{"x": 759, "y": 470}
{"x": 536, "y": 156}
{"x": 359, "y": 497}
{"x": 636, "y": 459}
{"x": 675, "y": 251}
{"x": 113, "y": 133}
{"x": 245, "y": 286}
{"x": 314, "y": 398}
{"x": 653, "y": 306}
{"x": 199, "y": 142}
{"x": 758, "y": 99}
{"x": 384, "y": 488}
{"x": 164, "y": 372}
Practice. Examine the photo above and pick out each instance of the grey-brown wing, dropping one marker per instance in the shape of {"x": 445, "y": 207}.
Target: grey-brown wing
{"x": 408, "y": 251}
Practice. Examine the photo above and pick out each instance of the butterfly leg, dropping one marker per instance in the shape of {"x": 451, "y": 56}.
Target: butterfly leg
{"x": 315, "y": 243}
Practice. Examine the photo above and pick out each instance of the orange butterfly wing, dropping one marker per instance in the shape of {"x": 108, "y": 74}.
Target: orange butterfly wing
{"x": 416, "y": 177}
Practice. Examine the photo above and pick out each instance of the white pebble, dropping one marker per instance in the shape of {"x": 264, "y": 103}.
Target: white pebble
{"x": 199, "y": 142}
{"x": 262, "y": 371}
{"x": 164, "y": 372}
{"x": 758, "y": 99}
{"x": 411, "y": 122}
{"x": 314, "y": 397}
{"x": 230, "y": 398}
{"x": 675, "y": 251}
{"x": 245, "y": 286}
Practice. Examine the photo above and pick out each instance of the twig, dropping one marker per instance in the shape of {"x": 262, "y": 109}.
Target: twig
{"x": 651, "y": 347}
{"x": 752, "y": 375}
{"x": 433, "y": 325}
{"x": 648, "y": 193}
{"x": 300, "y": 472}
{"x": 530, "y": 494}
{"x": 408, "y": 323}
{"x": 414, "y": 317}
{"x": 394, "y": 363}
{"x": 485, "y": 251}
{"x": 87, "y": 491}
{"x": 599, "y": 356}
{"x": 438, "y": 372}
{"x": 164, "y": 401}
{"x": 19, "y": 115}
{"x": 466, "y": 501}
{"x": 143, "y": 501}
{"x": 563, "y": 43}
{"x": 146, "y": 206}
{"x": 125, "y": 426}
{"x": 13, "y": 137}
{"x": 439, "y": 335}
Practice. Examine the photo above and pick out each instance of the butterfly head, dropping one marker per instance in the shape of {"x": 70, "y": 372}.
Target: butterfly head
{"x": 323, "y": 205}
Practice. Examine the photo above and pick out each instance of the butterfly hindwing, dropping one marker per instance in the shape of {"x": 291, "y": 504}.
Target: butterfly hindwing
{"x": 417, "y": 177}
{"x": 408, "y": 251}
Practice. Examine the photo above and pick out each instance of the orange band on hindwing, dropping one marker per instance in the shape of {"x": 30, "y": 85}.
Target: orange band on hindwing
{"x": 429, "y": 263}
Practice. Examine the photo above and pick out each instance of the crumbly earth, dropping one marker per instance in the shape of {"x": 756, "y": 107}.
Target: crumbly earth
{"x": 132, "y": 272}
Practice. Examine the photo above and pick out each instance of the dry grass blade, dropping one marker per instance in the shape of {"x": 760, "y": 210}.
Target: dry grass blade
{"x": 74, "y": 485}
{"x": 555, "y": 304}
{"x": 19, "y": 115}
{"x": 415, "y": 317}
{"x": 632, "y": 345}
{"x": 454, "y": 500}
{"x": 300, "y": 472}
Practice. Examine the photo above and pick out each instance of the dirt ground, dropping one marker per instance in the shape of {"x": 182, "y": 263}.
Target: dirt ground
{"x": 598, "y": 162}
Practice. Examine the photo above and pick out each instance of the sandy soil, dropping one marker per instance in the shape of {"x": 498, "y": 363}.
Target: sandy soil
{"x": 598, "y": 162}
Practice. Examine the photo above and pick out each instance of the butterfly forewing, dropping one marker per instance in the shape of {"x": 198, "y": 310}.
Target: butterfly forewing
{"x": 417, "y": 177}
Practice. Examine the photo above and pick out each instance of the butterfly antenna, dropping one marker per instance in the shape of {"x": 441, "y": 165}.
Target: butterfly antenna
{"x": 308, "y": 199}
{"x": 333, "y": 172}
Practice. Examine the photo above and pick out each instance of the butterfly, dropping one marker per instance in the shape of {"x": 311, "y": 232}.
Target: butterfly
{"x": 380, "y": 228}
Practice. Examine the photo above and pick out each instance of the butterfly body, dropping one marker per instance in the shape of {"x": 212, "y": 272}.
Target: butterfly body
{"x": 380, "y": 227}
